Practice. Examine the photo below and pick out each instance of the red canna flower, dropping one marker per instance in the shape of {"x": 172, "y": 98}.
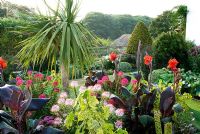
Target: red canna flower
{"x": 113, "y": 56}
{"x": 3, "y": 63}
{"x": 172, "y": 63}
{"x": 147, "y": 59}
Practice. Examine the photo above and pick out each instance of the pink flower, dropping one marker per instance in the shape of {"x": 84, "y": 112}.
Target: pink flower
{"x": 57, "y": 121}
{"x": 124, "y": 81}
{"x": 55, "y": 83}
{"x": 39, "y": 76}
{"x": 55, "y": 108}
{"x": 119, "y": 112}
{"x": 118, "y": 124}
{"x": 49, "y": 78}
{"x": 82, "y": 89}
{"x": 134, "y": 81}
{"x": 97, "y": 87}
{"x": 61, "y": 101}
{"x": 29, "y": 83}
{"x": 120, "y": 73}
{"x": 41, "y": 96}
{"x": 99, "y": 82}
{"x": 111, "y": 108}
{"x": 106, "y": 94}
{"x": 18, "y": 78}
{"x": 57, "y": 90}
{"x": 29, "y": 72}
{"x": 105, "y": 78}
{"x": 74, "y": 84}
{"x": 69, "y": 102}
{"x": 63, "y": 95}
{"x": 19, "y": 82}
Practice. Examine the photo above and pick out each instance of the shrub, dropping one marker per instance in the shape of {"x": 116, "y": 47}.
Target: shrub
{"x": 170, "y": 45}
{"x": 141, "y": 33}
{"x": 108, "y": 65}
{"x": 162, "y": 74}
{"x": 125, "y": 67}
{"x": 128, "y": 58}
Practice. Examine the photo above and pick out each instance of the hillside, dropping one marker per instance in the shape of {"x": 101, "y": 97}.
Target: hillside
{"x": 113, "y": 26}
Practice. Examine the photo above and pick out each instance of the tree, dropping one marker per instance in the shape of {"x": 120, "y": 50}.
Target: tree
{"x": 58, "y": 36}
{"x": 171, "y": 45}
{"x": 140, "y": 33}
{"x": 172, "y": 20}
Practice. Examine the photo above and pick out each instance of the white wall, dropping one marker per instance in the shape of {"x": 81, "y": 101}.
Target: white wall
{"x": 193, "y": 21}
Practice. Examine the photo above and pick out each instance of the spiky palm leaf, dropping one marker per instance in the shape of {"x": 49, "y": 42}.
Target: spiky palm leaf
{"x": 58, "y": 36}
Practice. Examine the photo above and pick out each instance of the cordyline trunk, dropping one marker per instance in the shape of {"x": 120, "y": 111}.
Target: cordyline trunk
{"x": 64, "y": 76}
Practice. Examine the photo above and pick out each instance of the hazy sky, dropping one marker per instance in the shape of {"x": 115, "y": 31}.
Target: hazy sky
{"x": 150, "y": 8}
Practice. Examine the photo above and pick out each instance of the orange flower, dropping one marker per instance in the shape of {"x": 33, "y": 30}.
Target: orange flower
{"x": 172, "y": 63}
{"x": 113, "y": 56}
{"x": 3, "y": 63}
{"x": 147, "y": 59}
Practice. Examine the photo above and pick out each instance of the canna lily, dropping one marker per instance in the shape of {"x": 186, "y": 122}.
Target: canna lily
{"x": 3, "y": 63}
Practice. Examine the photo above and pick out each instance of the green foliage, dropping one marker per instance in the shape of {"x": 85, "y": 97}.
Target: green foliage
{"x": 157, "y": 121}
{"x": 172, "y": 20}
{"x": 162, "y": 74}
{"x": 128, "y": 58}
{"x": 171, "y": 45}
{"x": 107, "y": 64}
{"x": 89, "y": 116}
{"x": 112, "y": 26}
{"x": 168, "y": 128}
{"x": 125, "y": 67}
{"x": 140, "y": 33}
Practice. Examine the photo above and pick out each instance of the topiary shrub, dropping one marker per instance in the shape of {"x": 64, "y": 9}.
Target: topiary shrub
{"x": 141, "y": 33}
{"x": 171, "y": 45}
{"x": 125, "y": 67}
{"x": 128, "y": 58}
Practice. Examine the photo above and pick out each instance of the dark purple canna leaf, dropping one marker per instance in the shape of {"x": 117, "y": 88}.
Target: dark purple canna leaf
{"x": 117, "y": 102}
{"x": 167, "y": 100}
{"x": 37, "y": 104}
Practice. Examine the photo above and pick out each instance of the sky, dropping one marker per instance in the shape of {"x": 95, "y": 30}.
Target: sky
{"x": 150, "y": 8}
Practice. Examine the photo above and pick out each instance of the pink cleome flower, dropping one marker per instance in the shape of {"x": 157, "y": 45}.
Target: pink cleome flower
{"x": 120, "y": 73}
{"x": 55, "y": 83}
{"x": 105, "y": 78}
{"x": 63, "y": 95}
{"x": 57, "y": 121}
{"x": 29, "y": 83}
{"x": 134, "y": 81}
{"x": 61, "y": 101}
{"x": 19, "y": 82}
{"x": 29, "y": 72}
{"x": 124, "y": 81}
{"x": 41, "y": 96}
{"x": 69, "y": 102}
{"x": 49, "y": 78}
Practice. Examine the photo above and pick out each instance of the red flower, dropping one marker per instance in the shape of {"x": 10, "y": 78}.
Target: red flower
{"x": 28, "y": 83}
{"x": 147, "y": 59}
{"x": 3, "y": 63}
{"x": 113, "y": 56}
{"x": 49, "y": 78}
{"x": 42, "y": 96}
{"x": 172, "y": 63}
{"x": 55, "y": 83}
{"x": 57, "y": 90}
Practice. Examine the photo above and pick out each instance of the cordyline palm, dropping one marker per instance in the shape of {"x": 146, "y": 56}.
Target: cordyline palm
{"x": 58, "y": 35}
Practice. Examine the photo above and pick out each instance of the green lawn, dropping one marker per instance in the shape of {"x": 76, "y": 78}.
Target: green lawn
{"x": 195, "y": 108}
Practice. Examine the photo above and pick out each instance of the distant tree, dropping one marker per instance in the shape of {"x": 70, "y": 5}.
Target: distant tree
{"x": 141, "y": 33}
{"x": 112, "y": 26}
